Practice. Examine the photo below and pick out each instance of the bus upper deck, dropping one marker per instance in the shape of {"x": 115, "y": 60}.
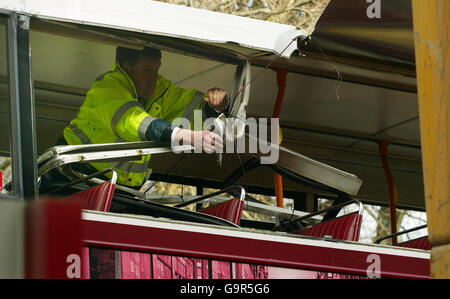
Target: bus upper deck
{"x": 55, "y": 50}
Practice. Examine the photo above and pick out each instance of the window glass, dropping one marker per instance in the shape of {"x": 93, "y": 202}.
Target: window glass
{"x": 111, "y": 264}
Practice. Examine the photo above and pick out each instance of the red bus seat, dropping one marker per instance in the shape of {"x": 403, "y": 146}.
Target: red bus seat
{"x": 230, "y": 210}
{"x": 419, "y": 243}
{"x": 97, "y": 198}
{"x": 346, "y": 228}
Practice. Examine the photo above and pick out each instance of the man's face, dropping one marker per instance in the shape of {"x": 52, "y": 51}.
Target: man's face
{"x": 144, "y": 74}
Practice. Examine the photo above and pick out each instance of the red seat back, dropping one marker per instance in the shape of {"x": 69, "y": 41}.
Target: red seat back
{"x": 230, "y": 210}
{"x": 346, "y": 228}
{"x": 97, "y": 198}
{"x": 419, "y": 243}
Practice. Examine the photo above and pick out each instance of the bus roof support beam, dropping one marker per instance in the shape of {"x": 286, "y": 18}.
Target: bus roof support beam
{"x": 24, "y": 146}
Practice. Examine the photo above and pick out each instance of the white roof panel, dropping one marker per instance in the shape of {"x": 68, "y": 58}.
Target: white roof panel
{"x": 166, "y": 20}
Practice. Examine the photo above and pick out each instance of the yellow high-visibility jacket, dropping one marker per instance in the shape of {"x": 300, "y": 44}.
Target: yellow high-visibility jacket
{"x": 112, "y": 113}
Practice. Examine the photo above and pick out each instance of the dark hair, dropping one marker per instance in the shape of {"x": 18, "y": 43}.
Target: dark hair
{"x": 131, "y": 55}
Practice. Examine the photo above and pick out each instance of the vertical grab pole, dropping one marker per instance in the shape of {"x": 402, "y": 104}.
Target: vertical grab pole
{"x": 281, "y": 82}
{"x": 393, "y": 194}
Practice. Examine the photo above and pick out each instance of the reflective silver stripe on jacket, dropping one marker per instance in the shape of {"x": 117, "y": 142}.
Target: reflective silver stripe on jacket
{"x": 80, "y": 134}
{"x": 144, "y": 126}
{"x": 130, "y": 166}
{"x": 189, "y": 112}
{"x": 120, "y": 112}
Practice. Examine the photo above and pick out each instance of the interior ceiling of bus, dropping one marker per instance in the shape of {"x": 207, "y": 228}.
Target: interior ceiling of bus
{"x": 338, "y": 122}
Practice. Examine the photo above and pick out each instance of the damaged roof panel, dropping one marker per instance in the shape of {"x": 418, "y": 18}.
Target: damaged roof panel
{"x": 166, "y": 20}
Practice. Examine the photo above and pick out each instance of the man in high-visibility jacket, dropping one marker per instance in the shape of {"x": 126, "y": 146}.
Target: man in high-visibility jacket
{"x": 132, "y": 102}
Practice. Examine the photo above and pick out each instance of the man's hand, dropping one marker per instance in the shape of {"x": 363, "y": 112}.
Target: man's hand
{"x": 206, "y": 140}
{"x": 217, "y": 98}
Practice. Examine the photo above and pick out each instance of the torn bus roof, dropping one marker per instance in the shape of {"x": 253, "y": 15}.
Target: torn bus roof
{"x": 168, "y": 20}
{"x": 298, "y": 164}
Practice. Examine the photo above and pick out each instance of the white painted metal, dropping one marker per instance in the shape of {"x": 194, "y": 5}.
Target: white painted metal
{"x": 167, "y": 20}
{"x": 241, "y": 99}
{"x": 297, "y": 163}
{"x": 312, "y": 169}
{"x": 61, "y": 155}
{"x": 150, "y": 222}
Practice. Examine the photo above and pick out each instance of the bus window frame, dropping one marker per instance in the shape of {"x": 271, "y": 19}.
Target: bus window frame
{"x": 22, "y": 108}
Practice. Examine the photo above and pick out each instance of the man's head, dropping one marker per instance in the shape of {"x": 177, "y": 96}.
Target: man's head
{"x": 142, "y": 66}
